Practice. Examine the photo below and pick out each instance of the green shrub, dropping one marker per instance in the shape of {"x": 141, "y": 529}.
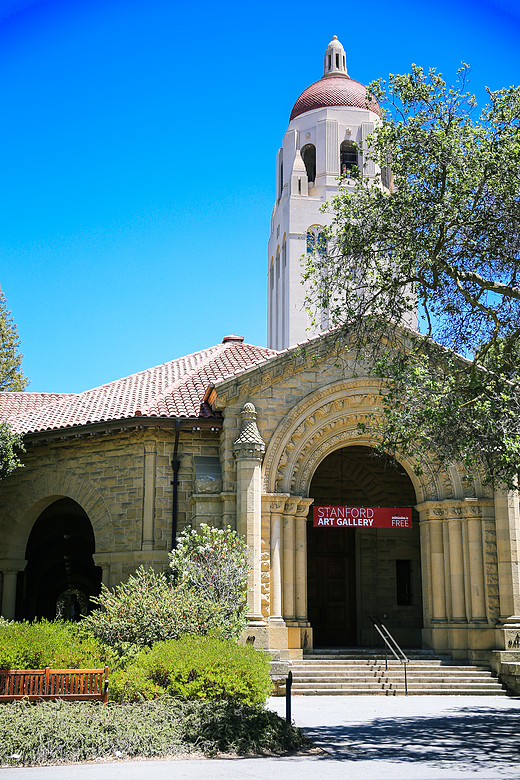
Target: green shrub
{"x": 147, "y": 608}
{"x": 59, "y": 732}
{"x": 224, "y": 727}
{"x": 195, "y": 667}
{"x": 213, "y": 562}
{"x": 49, "y": 643}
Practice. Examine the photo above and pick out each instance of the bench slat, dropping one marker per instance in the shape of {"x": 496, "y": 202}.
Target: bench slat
{"x": 38, "y": 684}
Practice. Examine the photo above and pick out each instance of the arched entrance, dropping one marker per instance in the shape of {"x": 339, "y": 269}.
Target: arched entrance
{"x": 60, "y": 576}
{"x": 355, "y": 573}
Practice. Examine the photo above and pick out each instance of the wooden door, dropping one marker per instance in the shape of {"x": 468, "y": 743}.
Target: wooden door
{"x": 331, "y": 586}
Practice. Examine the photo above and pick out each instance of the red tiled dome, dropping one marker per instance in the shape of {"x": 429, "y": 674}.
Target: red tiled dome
{"x": 337, "y": 90}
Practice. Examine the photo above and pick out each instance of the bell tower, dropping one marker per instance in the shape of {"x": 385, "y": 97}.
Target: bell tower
{"x": 327, "y": 130}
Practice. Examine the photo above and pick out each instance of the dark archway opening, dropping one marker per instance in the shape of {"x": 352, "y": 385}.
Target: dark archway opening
{"x": 60, "y": 576}
{"x": 348, "y": 160}
{"x": 308, "y": 154}
{"x": 355, "y": 573}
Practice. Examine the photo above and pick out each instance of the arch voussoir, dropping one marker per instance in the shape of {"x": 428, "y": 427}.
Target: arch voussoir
{"x": 327, "y": 420}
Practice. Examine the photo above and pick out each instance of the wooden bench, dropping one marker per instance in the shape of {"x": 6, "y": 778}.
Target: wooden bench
{"x": 41, "y": 684}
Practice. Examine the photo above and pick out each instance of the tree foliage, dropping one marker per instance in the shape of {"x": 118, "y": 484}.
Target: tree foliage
{"x": 11, "y": 379}
{"x": 11, "y": 375}
{"x": 213, "y": 562}
{"x": 442, "y": 238}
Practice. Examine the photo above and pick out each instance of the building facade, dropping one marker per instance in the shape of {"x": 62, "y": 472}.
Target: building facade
{"x": 255, "y": 437}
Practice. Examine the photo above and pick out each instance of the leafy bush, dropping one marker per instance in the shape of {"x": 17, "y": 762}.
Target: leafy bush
{"x": 59, "y": 732}
{"x": 213, "y": 562}
{"x": 49, "y": 643}
{"x": 146, "y": 609}
{"x": 195, "y": 667}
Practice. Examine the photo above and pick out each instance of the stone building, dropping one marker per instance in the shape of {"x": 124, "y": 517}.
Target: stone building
{"x": 253, "y": 437}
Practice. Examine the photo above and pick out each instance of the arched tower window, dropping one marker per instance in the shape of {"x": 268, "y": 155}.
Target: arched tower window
{"x": 308, "y": 154}
{"x": 316, "y": 242}
{"x": 348, "y": 160}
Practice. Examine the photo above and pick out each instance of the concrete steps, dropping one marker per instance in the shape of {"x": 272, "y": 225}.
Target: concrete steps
{"x": 334, "y": 674}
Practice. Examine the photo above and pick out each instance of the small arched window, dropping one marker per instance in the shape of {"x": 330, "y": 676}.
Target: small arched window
{"x": 348, "y": 160}
{"x": 316, "y": 242}
{"x": 308, "y": 154}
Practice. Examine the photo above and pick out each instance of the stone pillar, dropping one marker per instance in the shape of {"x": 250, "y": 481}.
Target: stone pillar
{"x": 150, "y": 455}
{"x": 103, "y": 560}
{"x": 507, "y": 524}
{"x": 435, "y": 563}
{"x": 302, "y": 511}
{"x": 289, "y": 561}
{"x": 475, "y": 554}
{"x": 276, "y": 506}
{"x": 457, "y": 582}
{"x": 438, "y": 587}
{"x": 10, "y": 569}
{"x": 249, "y": 449}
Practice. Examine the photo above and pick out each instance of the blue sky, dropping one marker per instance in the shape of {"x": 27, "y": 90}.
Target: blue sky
{"x": 138, "y": 144}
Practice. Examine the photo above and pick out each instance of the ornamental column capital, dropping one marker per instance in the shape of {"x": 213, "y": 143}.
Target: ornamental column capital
{"x": 274, "y": 502}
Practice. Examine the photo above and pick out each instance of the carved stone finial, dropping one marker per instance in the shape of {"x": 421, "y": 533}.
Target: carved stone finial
{"x": 249, "y": 443}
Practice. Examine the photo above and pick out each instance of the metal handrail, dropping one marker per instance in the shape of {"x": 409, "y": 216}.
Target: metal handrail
{"x": 391, "y": 643}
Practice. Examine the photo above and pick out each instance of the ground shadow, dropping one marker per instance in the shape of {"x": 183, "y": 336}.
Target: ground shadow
{"x": 468, "y": 737}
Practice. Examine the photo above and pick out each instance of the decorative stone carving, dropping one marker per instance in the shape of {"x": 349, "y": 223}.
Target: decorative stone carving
{"x": 318, "y": 424}
{"x": 249, "y": 443}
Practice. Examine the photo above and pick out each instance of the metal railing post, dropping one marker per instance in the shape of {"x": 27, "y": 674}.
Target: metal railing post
{"x": 288, "y": 686}
{"x": 394, "y": 648}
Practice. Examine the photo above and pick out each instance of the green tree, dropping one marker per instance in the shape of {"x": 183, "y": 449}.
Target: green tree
{"x": 436, "y": 231}
{"x": 11, "y": 379}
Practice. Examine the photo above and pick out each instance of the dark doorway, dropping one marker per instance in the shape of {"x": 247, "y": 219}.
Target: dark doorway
{"x": 355, "y": 573}
{"x": 308, "y": 154}
{"x": 60, "y": 576}
{"x": 331, "y": 583}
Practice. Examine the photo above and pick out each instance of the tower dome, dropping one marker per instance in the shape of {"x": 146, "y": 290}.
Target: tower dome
{"x": 327, "y": 138}
{"x": 335, "y": 88}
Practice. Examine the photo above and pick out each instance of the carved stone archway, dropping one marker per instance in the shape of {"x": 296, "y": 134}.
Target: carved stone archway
{"x": 44, "y": 490}
{"x": 327, "y": 420}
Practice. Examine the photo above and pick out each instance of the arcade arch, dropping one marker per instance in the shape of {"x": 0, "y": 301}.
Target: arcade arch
{"x": 355, "y": 573}
{"x": 60, "y": 576}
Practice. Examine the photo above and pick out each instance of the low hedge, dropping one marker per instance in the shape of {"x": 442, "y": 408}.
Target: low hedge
{"x": 57, "y": 644}
{"x": 195, "y": 667}
{"x": 63, "y": 732}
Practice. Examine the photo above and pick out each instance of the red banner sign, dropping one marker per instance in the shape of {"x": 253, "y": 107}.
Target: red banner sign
{"x": 361, "y": 517}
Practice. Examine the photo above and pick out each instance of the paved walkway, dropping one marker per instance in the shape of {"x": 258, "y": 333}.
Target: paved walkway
{"x": 369, "y": 737}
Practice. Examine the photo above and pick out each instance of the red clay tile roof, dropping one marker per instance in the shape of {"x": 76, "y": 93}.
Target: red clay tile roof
{"x": 173, "y": 389}
{"x": 337, "y": 90}
{"x": 13, "y": 404}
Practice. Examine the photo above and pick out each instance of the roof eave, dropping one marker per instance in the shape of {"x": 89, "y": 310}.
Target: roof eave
{"x": 125, "y": 424}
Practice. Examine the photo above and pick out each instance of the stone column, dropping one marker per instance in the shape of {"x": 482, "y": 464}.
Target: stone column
{"x": 437, "y": 563}
{"x": 302, "y": 511}
{"x": 103, "y": 560}
{"x": 10, "y": 569}
{"x": 150, "y": 454}
{"x": 289, "y": 560}
{"x": 507, "y": 524}
{"x": 249, "y": 450}
{"x": 276, "y": 505}
{"x": 458, "y": 598}
{"x": 476, "y": 577}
